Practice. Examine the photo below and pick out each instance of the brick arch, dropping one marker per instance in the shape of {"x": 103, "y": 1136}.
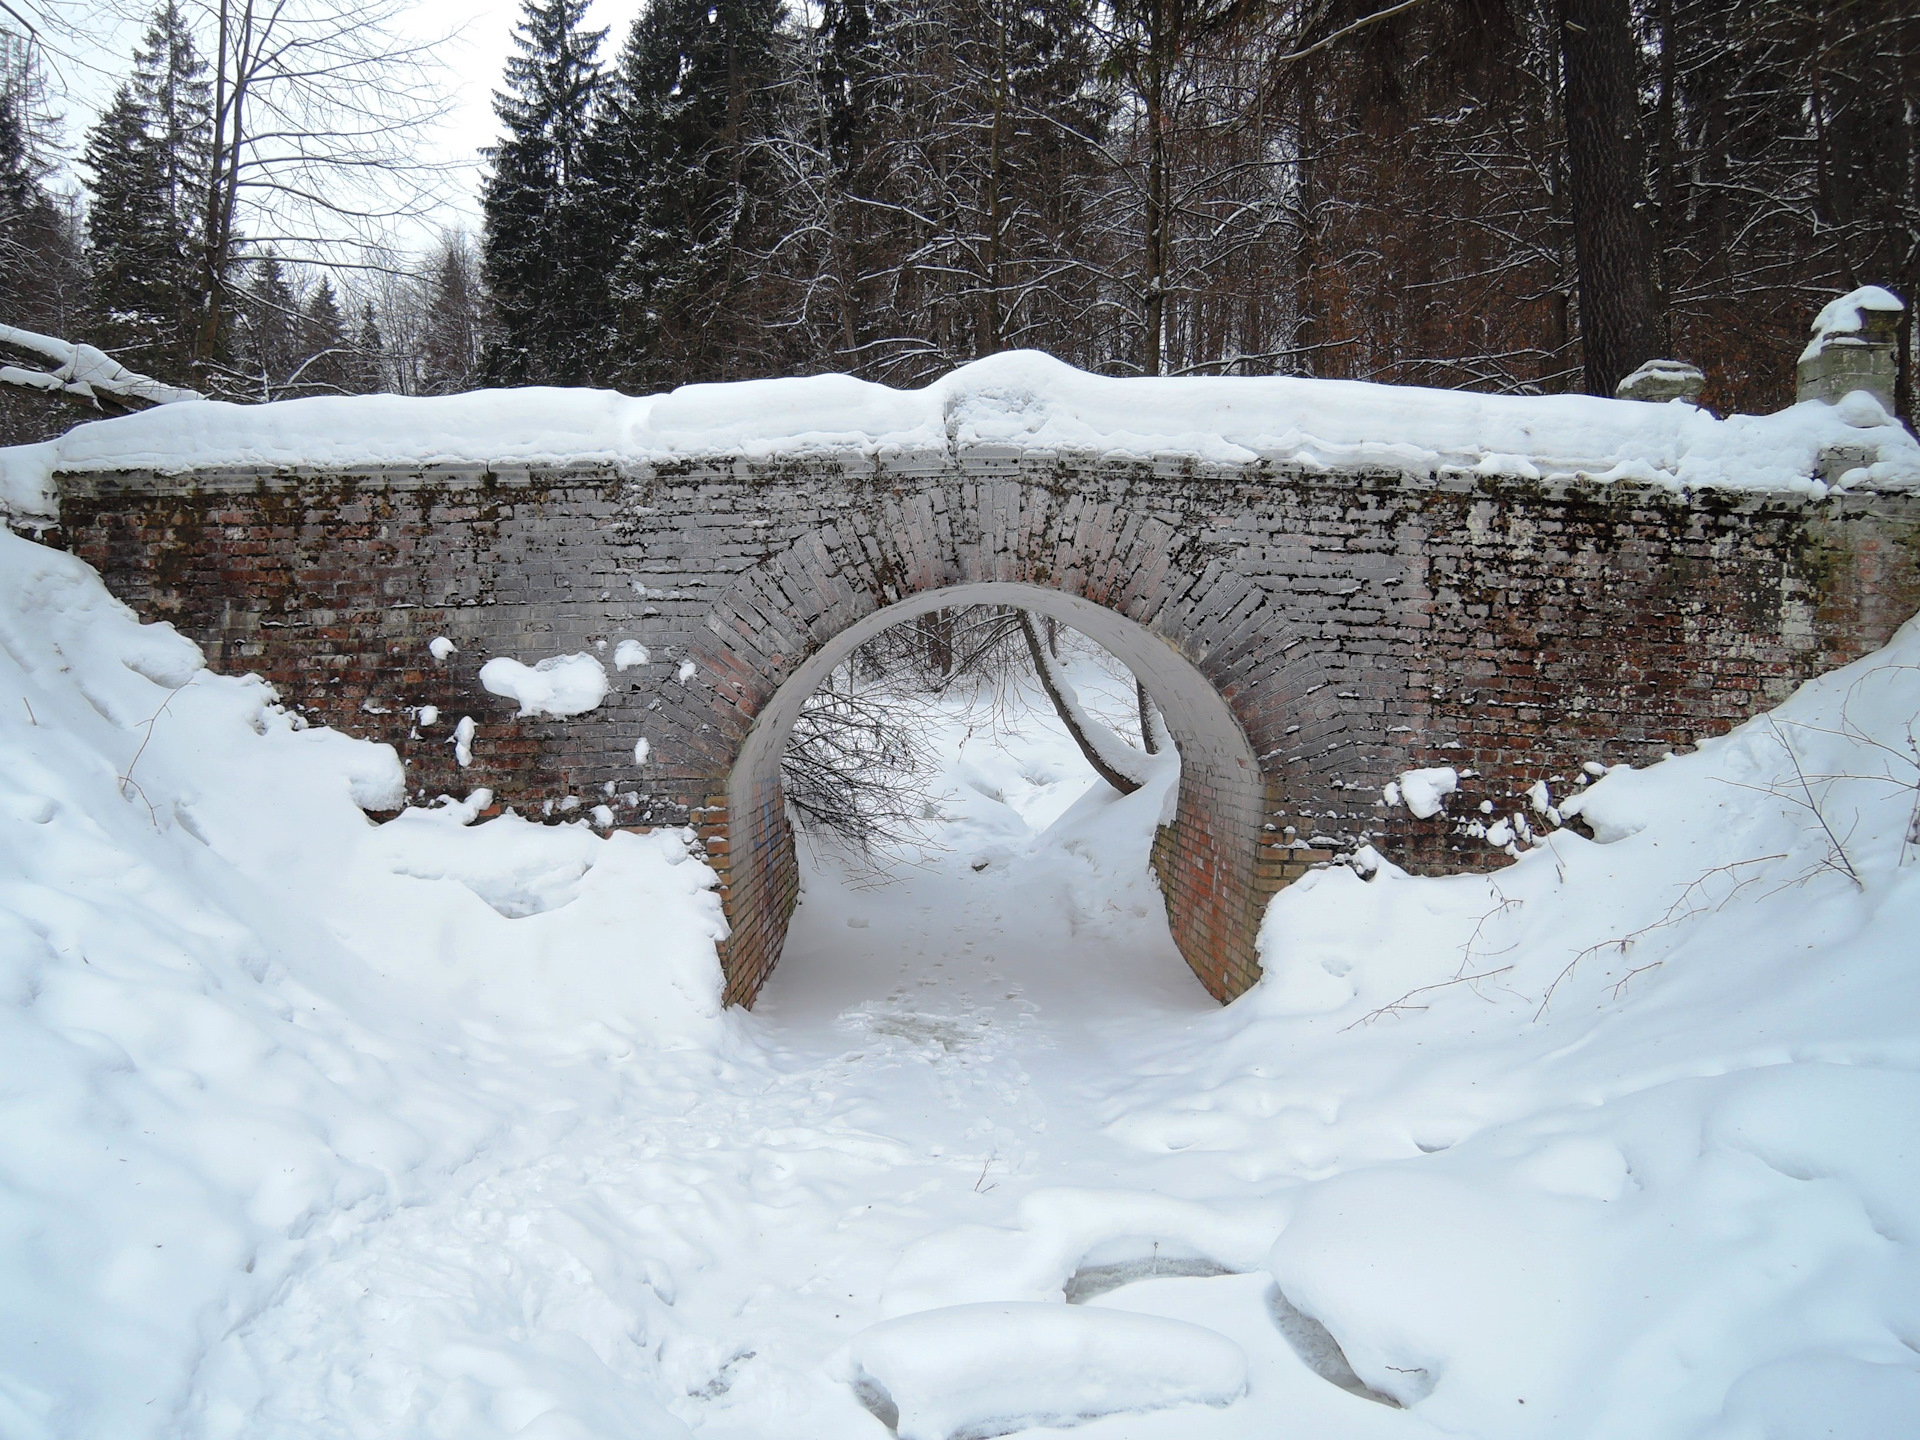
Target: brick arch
{"x": 1206, "y": 860}
{"x": 1354, "y": 621}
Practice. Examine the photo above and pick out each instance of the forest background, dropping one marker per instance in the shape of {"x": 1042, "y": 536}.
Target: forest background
{"x": 1505, "y": 195}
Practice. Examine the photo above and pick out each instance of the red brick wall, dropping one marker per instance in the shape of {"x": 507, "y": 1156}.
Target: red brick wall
{"x": 1354, "y": 624}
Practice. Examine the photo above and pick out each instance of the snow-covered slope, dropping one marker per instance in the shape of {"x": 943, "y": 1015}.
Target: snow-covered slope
{"x": 312, "y": 1128}
{"x": 237, "y": 1020}
{"x": 1020, "y": 398}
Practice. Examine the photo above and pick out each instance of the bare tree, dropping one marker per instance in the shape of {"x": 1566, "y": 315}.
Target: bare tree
{"x": 320, "y": 114}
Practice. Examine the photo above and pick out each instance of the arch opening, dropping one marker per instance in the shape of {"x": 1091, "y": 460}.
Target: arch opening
{"x": 1204, "y": 860}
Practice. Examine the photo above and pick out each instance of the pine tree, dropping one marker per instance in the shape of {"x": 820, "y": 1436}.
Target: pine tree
{"x": 545, "y": 247}
{"x": 41, "y": 282}
{"x": 127, "y": 252}
{"x": 171, "y": 82}
{"x": 268, "y": 348}
{"x": 682, "y": 164}
{"x": 450, "y": 348}
{"x": 148, "y": 158}
{"x": 23, "y": 200}
{"x": 367, "y": 364}
{"x": 324, "y": 366}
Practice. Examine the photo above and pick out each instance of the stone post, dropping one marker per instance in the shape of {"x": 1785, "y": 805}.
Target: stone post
{"x": 1662, "y": 380}
{"x": 1853, "y": 348}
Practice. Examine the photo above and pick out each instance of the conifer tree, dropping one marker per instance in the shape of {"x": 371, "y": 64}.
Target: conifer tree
{"x": 682, "y": 166}
{"x": 23, "y": 199}
{"x": 324, "y": 366}
{"x": 172, "y": 84}
{"x": 268, "y": 348}
{"x": 450, "y": 342}
{"x": 148, "y": 159}
{"x": 367, "y": 363}
{"x": 126, "y": 242}
{"x": 545, "y": 245}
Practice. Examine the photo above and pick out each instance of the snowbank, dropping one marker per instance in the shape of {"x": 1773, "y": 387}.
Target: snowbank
{"x": 994, "y": 1369}
{"x": 237, "y": 1020}
{"x": 1619, "y": 1140}
{"x": 1021, "y": 398}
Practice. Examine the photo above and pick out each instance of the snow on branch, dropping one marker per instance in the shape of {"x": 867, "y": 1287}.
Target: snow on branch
{"x": 84, "y": 374}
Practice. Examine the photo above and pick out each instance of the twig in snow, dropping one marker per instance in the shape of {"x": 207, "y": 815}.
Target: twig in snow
{"x": 1850, "y": 730}
{"x": 1673, "y": 916}
{"x": 983, "y": 1175}
{"x": 1621, "y": 984}
{"x": 152, "y": 720}
{"x": 1837, "y": 857}
{"x": 1400, "y": 1006}
{"x": 1466, "y": 951}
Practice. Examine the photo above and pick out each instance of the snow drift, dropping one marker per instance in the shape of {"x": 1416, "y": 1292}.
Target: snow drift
{"x": 313, "y": 1127}
{"x": 236, "y": 1018}
{"x": 1021, "y": 398}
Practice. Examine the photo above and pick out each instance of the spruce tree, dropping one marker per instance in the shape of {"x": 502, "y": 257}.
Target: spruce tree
{"x": 22, "y": 199}
{"x": 545, "y": 247}
{"x": 450, "y": 343}
{"x": 324, "y": 365}
{"x": 148, "y": 155}
{"x": 41, "y": 285}
{"x": 127, "y": 256}
{"x": 368, "y": 363}
{"x": 171, "y": 82}
{"x": 268, "y": 348}
{"x": 683, "y": 167}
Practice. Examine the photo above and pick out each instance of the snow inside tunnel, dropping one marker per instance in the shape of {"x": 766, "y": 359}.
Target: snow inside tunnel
{"x": 1212, "y": 810}
{"x": 997, "y": 878}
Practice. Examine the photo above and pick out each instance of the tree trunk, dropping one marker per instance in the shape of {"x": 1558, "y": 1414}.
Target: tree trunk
{"x": 1612, "y": 246}
{"x": 1071, "y": 716}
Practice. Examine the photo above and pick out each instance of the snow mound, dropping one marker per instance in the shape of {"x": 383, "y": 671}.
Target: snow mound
{"x": 1622, "y": 1131}
{"x": 1019, "y": 398}
{"x": 1847, "y": 316}
{"x": 560, "y": 685}
{"x": 237, "y": 1021}
{"x": 972, "y": 1371}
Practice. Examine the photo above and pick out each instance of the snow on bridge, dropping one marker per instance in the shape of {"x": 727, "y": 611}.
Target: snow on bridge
{"x": 1323, "y": 584}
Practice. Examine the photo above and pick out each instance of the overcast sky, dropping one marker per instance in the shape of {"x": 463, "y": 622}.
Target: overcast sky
{"x": 475, "y": 58}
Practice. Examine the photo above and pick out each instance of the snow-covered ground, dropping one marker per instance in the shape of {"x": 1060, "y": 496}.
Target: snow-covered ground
{"x": 312, "y": 1128}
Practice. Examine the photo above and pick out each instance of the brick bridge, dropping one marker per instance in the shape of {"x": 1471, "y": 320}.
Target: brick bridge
{"x": 1308, "y": 629}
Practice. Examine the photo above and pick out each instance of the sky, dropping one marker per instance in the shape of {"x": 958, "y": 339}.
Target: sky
{"x": 88, "y": 68}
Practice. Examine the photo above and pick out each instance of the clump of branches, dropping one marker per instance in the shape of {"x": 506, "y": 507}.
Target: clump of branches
{"x": 857, "y": 764}
{"x": 854, "y": 765}
{"x": 936, "y": 651}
